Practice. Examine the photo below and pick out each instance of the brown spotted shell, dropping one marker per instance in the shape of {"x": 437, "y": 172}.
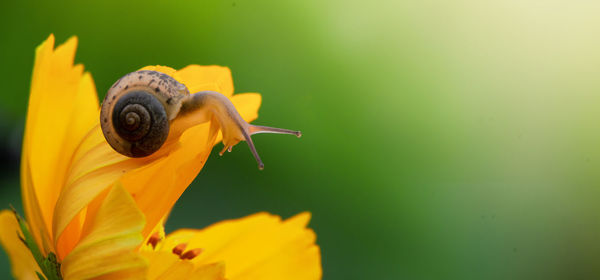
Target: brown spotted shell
{"x": 137, "y": 109}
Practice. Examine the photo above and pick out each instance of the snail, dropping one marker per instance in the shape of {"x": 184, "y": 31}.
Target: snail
{"x": 139, "y": 108}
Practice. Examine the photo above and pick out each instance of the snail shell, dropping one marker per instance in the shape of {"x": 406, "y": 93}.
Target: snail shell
{"x": 137, "y": 109}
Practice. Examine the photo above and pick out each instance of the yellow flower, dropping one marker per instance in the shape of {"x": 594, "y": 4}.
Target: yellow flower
{"x": 102, "y": 213}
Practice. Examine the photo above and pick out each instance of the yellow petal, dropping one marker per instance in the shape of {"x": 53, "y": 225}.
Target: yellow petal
{"x": 129, "y": 274}
{"x": 31, "y": 205}
{"x": 37, "y": 226}
{"x": 179, "y": 270}
{"x": 168, "y": 266}
{"x": 199, "y": 78}
{"x": 110, "y": 247}
{"x": 159, "y": 262}
{"x": 215, "y": 271}
{"x": 260, "y": 246}
{"x": 63, "y": 106}
{"x": 247, "y": 105}
{"x": 22, "y": 263}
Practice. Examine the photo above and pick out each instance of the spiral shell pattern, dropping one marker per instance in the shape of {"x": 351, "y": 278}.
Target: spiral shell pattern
{"x": 137, "y": 109}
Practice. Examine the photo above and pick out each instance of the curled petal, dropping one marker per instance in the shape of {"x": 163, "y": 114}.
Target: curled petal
{"x": 109, "y": 247}
{"x": 62, "y": 107}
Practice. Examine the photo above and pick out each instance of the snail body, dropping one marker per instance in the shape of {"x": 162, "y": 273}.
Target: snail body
{"x": 138, "y": 110}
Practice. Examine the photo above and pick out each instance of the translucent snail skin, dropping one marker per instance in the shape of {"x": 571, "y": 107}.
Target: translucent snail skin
{"x": 139, "y": 108}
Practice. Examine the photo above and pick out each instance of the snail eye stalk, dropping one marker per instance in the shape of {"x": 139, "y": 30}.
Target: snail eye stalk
{"x": 257, "y": 129}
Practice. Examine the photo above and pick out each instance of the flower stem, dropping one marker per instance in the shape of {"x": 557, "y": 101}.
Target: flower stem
{"x": 49, "y": 264}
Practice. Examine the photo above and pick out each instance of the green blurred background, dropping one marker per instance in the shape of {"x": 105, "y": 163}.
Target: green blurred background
{"x": 442, "y": 139}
